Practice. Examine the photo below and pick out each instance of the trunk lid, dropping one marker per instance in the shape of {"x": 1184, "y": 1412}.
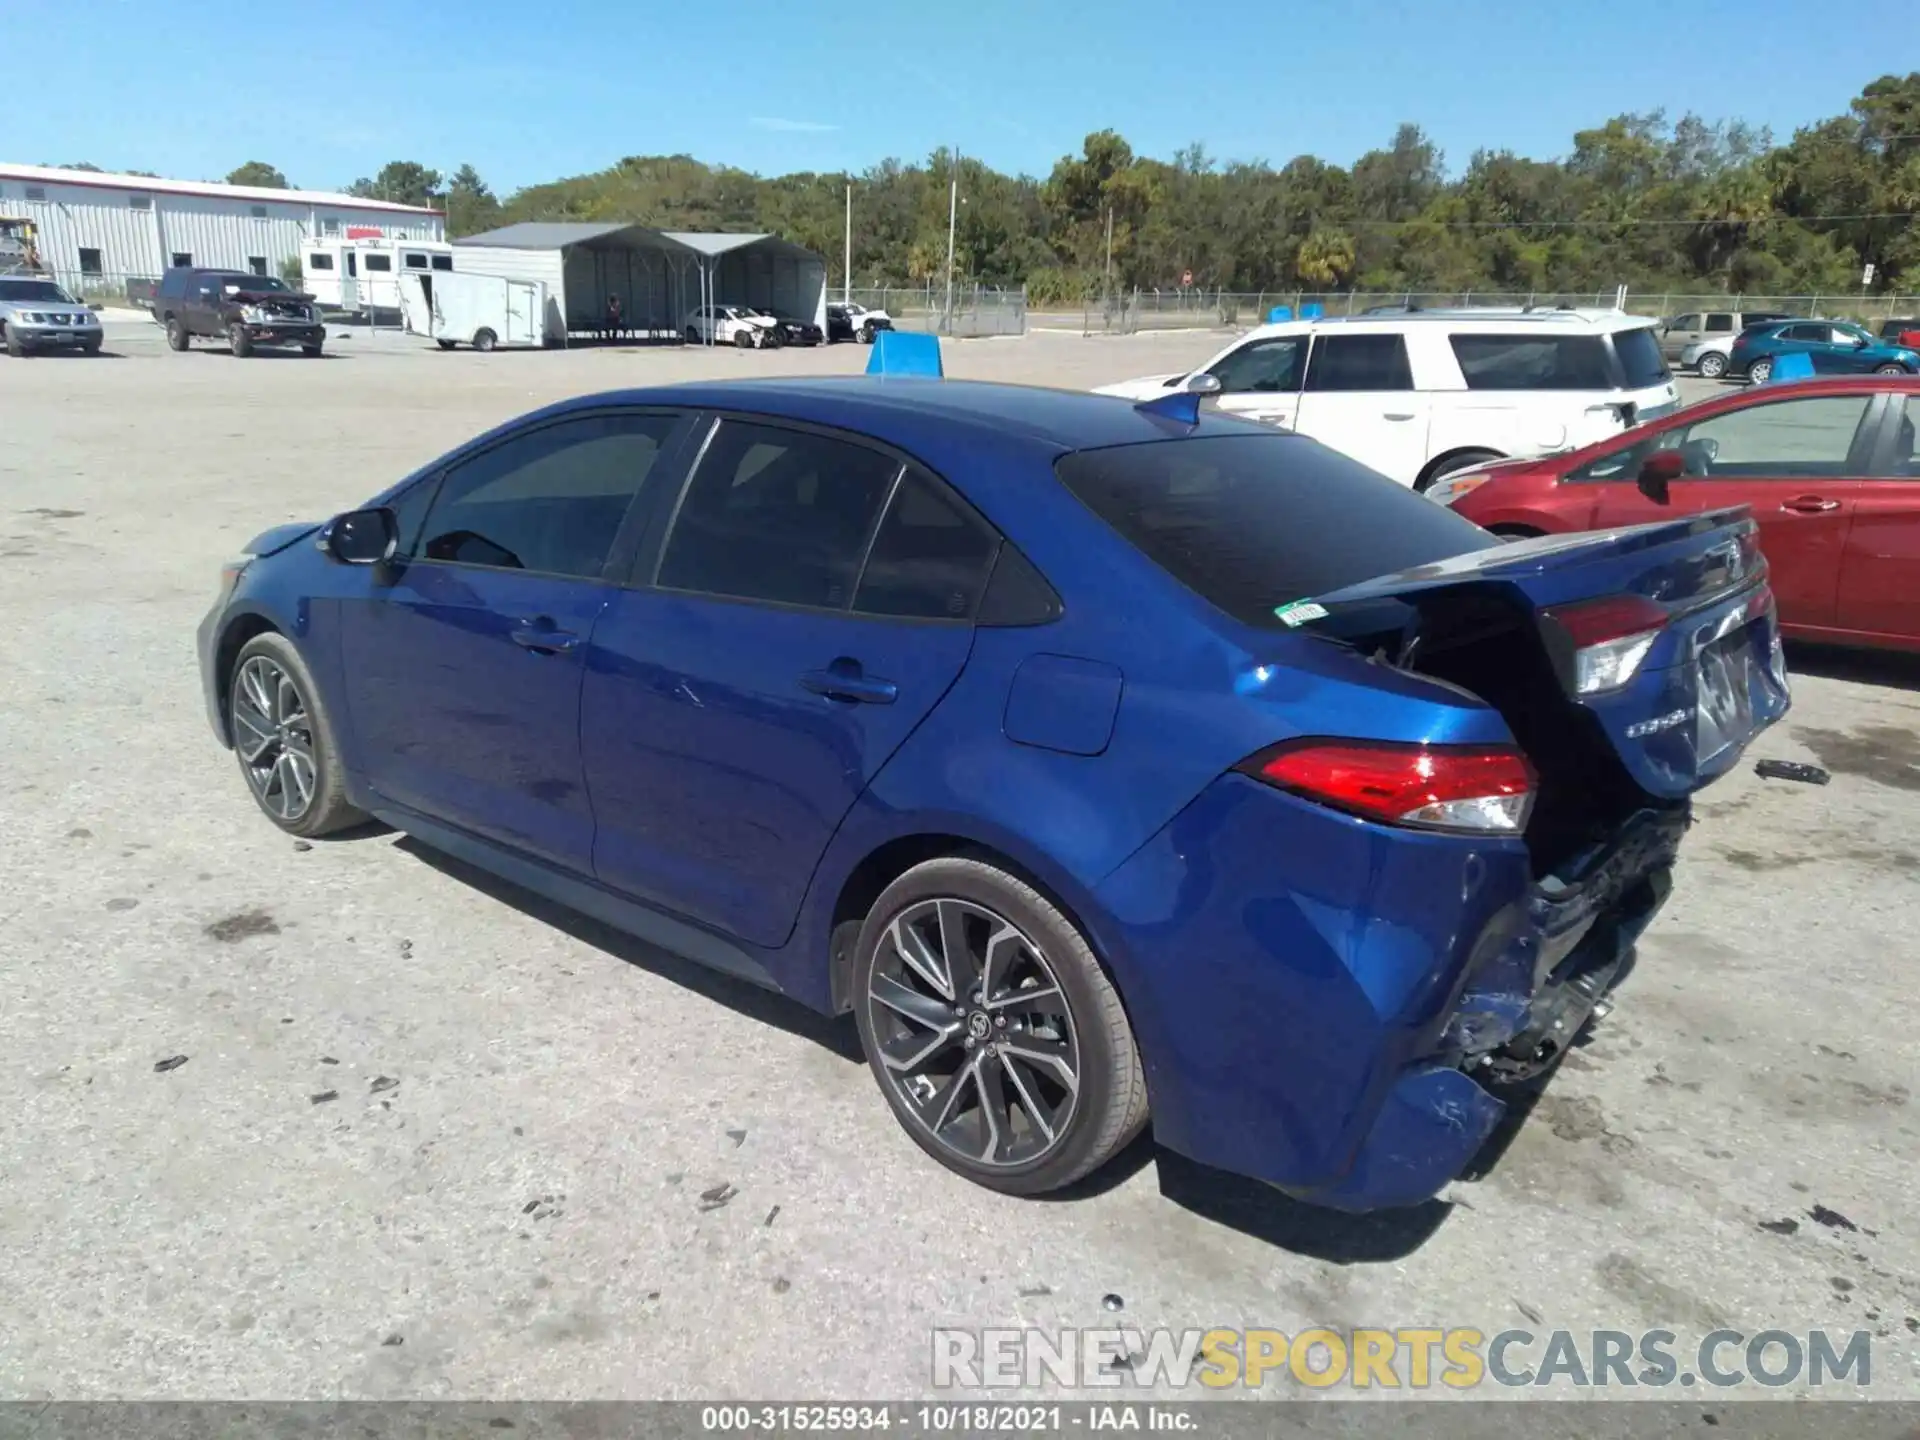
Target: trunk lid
{"x": 1694, "y": 673}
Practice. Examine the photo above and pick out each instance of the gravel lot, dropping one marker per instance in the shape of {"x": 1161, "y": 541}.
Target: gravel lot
{"x": 520, "y": 1216}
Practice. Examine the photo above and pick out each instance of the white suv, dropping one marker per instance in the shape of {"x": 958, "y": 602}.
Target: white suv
{"x": 1420, "y": 395}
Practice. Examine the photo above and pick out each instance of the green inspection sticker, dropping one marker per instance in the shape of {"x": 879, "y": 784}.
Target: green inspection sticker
{"x": 1299, "y": 612}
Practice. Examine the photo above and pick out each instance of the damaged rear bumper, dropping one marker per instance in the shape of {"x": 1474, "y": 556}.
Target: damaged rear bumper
{"x": 1333, "y": 1007}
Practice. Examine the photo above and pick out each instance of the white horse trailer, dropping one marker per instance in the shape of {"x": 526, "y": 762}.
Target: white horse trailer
{"x": 361, "y": 273}
{"x": 484, "y": 311}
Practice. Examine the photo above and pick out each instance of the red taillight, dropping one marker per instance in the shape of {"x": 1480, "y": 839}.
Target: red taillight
{"x": 1610, "y": 637}
{"x": 1438, "y": 787}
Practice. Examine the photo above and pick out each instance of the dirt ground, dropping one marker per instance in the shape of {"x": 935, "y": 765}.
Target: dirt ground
{"x": 432, "y": 1139}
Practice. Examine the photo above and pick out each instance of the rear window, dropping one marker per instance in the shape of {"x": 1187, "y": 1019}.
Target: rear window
{"x": 1252, "y": 522}
{"x": 1533, "y": 362}
{"x": 1641, "y": 363}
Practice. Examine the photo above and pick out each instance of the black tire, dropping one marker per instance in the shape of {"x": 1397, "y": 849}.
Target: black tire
{"x": 1465, "y": 460}
{"x": 775, "y": 340}
{"x": 16, "y": 347}
{"x": 1760, "y": 372}
{"x": 1890, "y": 369}
{"x": 92, "y": 347}
{"x": 238, "y": 341}
{"x": 484, "y": 339}
{"x": 177, "y": 336}
{"x": 1104, "y": 1110}
{"x": 867, "y": 332}
{"x": 444, "y": 344}
{"x": 692, "y": 335}
{"x": 313, "y": 351}
{"x": 1713, "y": 365}
{"x": 743, "y": 337}
{"x": 326, "y": 808}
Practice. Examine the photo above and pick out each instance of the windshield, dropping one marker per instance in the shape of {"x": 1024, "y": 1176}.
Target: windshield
{"x": 1252, "y": 522}
{"x": 253, "y": 282}
{"x": 44, "y": 291}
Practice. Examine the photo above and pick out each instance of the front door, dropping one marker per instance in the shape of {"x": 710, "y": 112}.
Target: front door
{"x": 1678, "y": 333}
{"x": 736, "y": 708}
{"x": 466, "y": 663}
{"x": 1261, "y": 380}
{"x": 1796, "y": 462}
{"x": 1360, "y": 399}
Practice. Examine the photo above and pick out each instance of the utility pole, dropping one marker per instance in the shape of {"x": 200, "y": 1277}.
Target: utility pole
{"x": 1109, "y": 257}
{"x": 846, "y": 275}
{"x": 953, "y": 211}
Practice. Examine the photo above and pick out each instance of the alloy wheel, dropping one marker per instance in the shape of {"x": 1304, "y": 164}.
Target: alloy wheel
{"x": 975, "y": 1034}
{"x": 273, "y": 735}
{"x": 1760, "y": 372}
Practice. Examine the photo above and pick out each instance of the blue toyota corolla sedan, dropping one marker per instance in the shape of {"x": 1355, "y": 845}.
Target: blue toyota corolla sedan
{"x": 1113, "y": 764}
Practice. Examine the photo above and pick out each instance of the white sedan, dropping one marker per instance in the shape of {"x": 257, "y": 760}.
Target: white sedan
{"x": 732, "y": 325}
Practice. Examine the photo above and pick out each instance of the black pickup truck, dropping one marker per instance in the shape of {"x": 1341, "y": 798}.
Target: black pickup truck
{"x": 246, "y": 311}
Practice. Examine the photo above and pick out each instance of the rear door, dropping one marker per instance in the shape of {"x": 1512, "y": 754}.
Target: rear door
{"x": 1261, "y": 380}
{"x": 1359, "y": 398}
{"x": 777, "y": 652}
{"x": 1880, "y": 569}
{"x": 1796, "y": 461}
{"x": 466, "y": 659}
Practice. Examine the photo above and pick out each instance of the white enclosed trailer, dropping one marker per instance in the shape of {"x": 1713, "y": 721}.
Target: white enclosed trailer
{"x": 363, "y": 272}
{"x": 484, "y": 311}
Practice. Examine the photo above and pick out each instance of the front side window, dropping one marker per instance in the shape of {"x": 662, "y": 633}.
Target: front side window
{"x": 1262, "y": 367}
{"x": 1359, "y": 362}
{"x": 1685, "y": 322}
{"x": 931, "y": 557}
{"x": 1808, "y": 334}
{"x": 548, "y": 501}
{"x": 777, "y": 515}
{"x": 1533, "y": 362}
{"x": 1807, "y": 438}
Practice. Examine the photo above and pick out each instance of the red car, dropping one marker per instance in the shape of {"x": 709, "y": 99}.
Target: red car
{"x": 1828, "y": 467}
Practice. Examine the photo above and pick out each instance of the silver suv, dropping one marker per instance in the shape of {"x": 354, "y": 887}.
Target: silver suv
{"x": 36, "y": 314}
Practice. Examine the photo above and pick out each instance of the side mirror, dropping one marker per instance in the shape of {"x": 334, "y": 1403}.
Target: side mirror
{"x": 361, "y": 537}
{"x": 1657, "y": 474}
{"x": 1202, "y": 384}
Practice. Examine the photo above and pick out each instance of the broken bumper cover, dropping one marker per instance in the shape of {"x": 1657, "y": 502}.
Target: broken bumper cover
{"x": 1317, "y": 998}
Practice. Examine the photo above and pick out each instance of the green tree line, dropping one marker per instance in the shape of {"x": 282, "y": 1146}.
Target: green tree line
{"x": 1686, "y": 206}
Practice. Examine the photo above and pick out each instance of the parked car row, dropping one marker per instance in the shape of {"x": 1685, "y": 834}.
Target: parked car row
{"x": 1743, "y": 345}
{"x": 1115, "y": 764}
{"x": 751, "y": 328}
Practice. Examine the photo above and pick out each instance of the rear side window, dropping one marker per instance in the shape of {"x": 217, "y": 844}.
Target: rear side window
{"x": 1718, "y": 324}
{"x": 1533, "y": 362}
{"x": 381, "y": 263}
{"x": 777, "y": 515}
{"x": 1249, "y": 523}
{"x": 443, "y": 262}
{"x": 1641, "y": 363}
{"x": 1359, "y": 362}
{"x": 931, "y": 558}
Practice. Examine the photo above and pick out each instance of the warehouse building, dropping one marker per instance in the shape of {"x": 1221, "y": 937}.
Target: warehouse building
{"x": 98, "y": 232}
{"x": 659, "y": 275}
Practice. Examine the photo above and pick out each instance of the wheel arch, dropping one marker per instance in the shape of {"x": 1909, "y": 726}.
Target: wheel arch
{"x": 867, "y": 879}
{"x": 239, "y": 629}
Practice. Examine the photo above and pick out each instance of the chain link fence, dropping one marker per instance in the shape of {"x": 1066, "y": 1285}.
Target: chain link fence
{"x": 1195, "y": 308}
{"x": 977, "y": 310}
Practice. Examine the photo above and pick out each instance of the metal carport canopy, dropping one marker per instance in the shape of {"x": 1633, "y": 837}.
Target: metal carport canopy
{"x": 584, "y": 262}
{"x": 765, "y": 271}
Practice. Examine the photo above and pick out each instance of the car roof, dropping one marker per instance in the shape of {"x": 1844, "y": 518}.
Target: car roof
{"x": 912, "y": 413}
{"x": 1565, "y": 322}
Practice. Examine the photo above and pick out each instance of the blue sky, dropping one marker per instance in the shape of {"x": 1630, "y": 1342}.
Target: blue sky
{"x": 330, "y": 90}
